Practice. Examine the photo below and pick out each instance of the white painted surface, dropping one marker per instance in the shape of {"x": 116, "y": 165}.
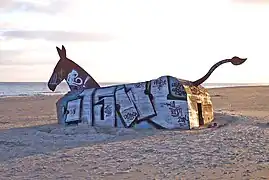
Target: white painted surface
{"x": 125, "y": 105}
{"x": 104, "y": 105}
{"x": 127, "y": 109}
{"x": 73, "y": 109}
{"x": 170, "y": 113}
{"x": 87, "y": 106}
{"x": 141, "y": 100}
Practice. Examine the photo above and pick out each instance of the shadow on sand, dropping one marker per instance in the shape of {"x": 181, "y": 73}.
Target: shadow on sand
{"x": 42, "y": 140}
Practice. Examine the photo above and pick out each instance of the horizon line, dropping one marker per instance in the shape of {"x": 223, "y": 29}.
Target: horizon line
{"x": 119, "y": 82}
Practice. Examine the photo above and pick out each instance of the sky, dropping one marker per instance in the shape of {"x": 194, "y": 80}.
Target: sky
{"x": 135, "y": 40}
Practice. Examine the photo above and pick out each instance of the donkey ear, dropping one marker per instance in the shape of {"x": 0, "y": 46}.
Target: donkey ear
{"x": 59, "y": 51}
{"x": 63, "y": 51}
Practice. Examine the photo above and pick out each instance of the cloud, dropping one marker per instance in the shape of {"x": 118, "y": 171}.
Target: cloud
{"x": 20, "y": 57}
{"x": 45, "y": 6}
{"x": 9, "y": 54}
{"x": 62, "y": 36}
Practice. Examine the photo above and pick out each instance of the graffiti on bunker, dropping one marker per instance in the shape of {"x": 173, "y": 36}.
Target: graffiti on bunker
{"x": 129, "y": 104}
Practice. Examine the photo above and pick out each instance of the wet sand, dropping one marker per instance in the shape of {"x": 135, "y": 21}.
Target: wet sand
{"x": 32, "y": 146}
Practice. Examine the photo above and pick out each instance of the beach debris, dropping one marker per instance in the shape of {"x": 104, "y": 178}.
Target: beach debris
{"x": 212, "y": 125}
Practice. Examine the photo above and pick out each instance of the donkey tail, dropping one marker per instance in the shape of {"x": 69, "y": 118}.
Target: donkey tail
{"x": 235, "y": 61}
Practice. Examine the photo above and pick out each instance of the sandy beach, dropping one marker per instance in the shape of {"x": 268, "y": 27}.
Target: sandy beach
{"x": 33, "y": 146}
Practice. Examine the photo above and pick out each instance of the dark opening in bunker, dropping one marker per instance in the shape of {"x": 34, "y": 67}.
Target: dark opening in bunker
{"x": 200, "y": 114}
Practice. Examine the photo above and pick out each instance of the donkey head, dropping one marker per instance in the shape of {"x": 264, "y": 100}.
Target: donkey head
{"x": 60, "y": 71}
{"x": 77, "y": 78}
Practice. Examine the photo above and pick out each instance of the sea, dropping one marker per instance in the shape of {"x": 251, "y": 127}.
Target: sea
{"x": 10, "y": 89}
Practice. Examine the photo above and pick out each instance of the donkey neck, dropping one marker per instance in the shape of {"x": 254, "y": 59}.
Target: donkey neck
{"x": 78, "y": 79}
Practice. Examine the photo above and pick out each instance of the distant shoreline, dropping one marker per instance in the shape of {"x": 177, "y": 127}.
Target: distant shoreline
{"x": 212, "y": 86}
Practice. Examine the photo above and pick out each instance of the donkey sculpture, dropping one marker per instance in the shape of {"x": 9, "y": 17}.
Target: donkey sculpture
{"x": 165, "y": 102}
